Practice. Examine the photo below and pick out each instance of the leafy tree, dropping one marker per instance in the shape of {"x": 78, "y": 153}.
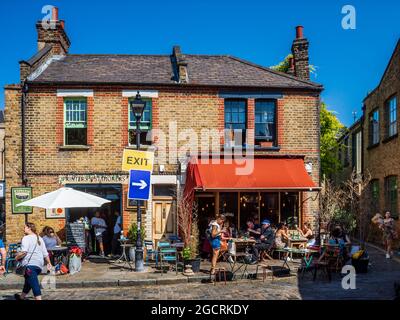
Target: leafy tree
{"x": 331, "y": 128}
{"x": 284, "y": 65}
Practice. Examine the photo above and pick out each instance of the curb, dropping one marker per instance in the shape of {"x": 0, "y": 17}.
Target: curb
{"x": 124, "y": 283}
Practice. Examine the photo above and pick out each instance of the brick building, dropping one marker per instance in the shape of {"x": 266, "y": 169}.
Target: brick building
{"x": 380, "y": 130}
{"x": 68, "y": 122}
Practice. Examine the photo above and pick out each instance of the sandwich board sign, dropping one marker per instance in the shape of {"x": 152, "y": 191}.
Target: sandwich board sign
{"x": 139, "y": 184}
{"x": 137, "y": 160}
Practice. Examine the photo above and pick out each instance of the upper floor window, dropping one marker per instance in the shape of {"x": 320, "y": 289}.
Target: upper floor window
{"x": 235, "y": 122}
{"x": 374, "y": 127}
{"x": 145, "y": 125}
{"x": 265, "y": 121}
{"x": 391, "y": 117}
{"x": 75, "y": 121}
{"x": 391, "y": 194}
{"x": 356, "y": 148}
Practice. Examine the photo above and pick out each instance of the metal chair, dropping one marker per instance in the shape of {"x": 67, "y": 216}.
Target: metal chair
{"x": 168, "y": 255}
{"x": 11, "y": 253}
{"x": 161, "y": 244}
{"x": 174, "y": 238}
{"x": 150, "y": 251}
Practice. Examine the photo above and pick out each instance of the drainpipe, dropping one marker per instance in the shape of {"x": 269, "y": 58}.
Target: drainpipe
{"x": 23, "y": 161}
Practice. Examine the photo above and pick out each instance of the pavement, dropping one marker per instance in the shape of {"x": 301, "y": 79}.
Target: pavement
{"x": 99, "y": 281}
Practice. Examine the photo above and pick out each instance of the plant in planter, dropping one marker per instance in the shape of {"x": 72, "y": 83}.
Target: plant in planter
{"x": 189, "y": 232}
{"x": 132, "y": 236}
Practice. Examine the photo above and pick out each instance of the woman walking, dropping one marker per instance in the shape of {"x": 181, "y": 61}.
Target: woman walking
{"x": 389, "y": 234}
{"x": 33, "y": 253}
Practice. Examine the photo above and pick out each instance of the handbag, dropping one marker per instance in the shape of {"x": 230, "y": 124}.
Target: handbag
{"x": 21, "y": 269}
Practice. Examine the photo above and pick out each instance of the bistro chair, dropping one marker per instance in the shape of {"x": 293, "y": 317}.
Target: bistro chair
{"x": 174, "y": 238}
{"x": 150, "y": 251}
{"x": 11, "y": 254}
{"x": 160, "y": 245}
{"x": 168, "y": 255}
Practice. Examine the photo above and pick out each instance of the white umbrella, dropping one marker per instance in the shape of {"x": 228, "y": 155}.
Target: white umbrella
{"x": 65, "y": 198}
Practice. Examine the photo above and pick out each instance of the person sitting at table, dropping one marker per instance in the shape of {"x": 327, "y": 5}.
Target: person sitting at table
{"x": 266, "y": 241}
{"x": 281, "y": 236}
{"x": 306, "y": 232}
{"x": 252, "y": 230}
{"x": 51, "y": 239}
{"x": 339, "y": 237}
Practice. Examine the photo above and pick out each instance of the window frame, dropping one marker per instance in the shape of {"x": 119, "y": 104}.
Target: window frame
{"x": 81, "y": 126}
{"x": 244, "y": 132}
{"x": 144, "y": 127}
{"x": 374, "y": 136}
{"x": 273, "y": 139}
{"x": 391, "y": 195}
{"x": 375, "y": 192}
{"x": 391, "y": 111}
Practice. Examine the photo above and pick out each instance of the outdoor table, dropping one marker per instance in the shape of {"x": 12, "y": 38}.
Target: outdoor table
{"x": 242, "y": 246}
{"x": 297, "y": 242}
{"x": 123, "y": 258}
{"x": 60, "y": 254}
{"x": 307, "y": 255}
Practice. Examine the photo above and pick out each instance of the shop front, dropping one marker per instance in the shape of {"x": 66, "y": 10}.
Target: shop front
{"x": 273, "y": 190}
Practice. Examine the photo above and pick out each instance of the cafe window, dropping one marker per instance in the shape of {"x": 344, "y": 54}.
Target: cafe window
{"x": 391, "y": 194}
{"x": 75, "y": 122}
{"x": 269, "y": 206}
{"x": 265, "y": 121}
{"x": 374, "y": 127}
{"x": 145, "y": 125}
{"x": 290, "y": 208}
{"x": 391, "y": 117}
{"x": 235, "y": 122}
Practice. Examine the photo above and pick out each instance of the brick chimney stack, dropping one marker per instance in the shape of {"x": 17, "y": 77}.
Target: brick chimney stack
{"x": 53, "y": 33}
{"x": 300, "y": 55}
{"x": 181, "y": 72}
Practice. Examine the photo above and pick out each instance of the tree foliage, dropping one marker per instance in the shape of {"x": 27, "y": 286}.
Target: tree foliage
{"x": 284, "y": 65}
{"x": 331, "y": 128}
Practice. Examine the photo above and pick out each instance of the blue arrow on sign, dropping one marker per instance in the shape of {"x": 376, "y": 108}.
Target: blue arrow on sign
{"x": 139, "y": 185}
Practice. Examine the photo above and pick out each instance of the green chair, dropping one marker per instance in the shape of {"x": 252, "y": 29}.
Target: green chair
{"x": 168, "y": 255}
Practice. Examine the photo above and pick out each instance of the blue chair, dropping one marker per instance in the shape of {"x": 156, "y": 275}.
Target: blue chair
{"x": 168, "y": 255}
{"x": 174, "y": 238}
{"x": 150, "y": 251}
{"x": 11, "y": 253}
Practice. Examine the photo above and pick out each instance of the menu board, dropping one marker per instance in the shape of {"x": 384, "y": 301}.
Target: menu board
{"x": 76, "y": 235}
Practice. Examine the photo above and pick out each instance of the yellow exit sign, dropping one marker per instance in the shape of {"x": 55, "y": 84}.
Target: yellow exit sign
{"x": 137, "y": 160}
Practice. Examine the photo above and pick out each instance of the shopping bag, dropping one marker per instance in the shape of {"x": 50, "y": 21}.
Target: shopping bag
{"x": 232, "y": 248}
{"x": 75, "y": 264}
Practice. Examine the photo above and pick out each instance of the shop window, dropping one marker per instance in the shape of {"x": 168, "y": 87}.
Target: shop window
{"x": 391, "y": 117}
{"x": 249, "y": 208}
{"x": 145, "y": 125}
{"x": 164, "y": 190}
{"x": 75, "y": 122}
{"x": 374, "y": 127}
{"x": 235, "y": 122}
{"x": 228, "y": 205}
{"x": 269, "y": 206}
{"x": 391, "y": 194}
{"x": 290, "y": 208}
{"x": 265, "y": 122}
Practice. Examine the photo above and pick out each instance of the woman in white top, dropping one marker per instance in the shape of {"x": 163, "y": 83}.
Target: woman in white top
{"x": 33, "y": 253}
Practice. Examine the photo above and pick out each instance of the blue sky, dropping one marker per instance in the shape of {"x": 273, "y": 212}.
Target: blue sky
{"x": 349, "y": 62}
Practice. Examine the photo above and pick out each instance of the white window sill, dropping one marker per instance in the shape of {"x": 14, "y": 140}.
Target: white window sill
{"x": 76, "y": 147}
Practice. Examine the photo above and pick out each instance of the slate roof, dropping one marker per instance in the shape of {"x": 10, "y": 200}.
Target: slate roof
{"x": 204, "y": 70}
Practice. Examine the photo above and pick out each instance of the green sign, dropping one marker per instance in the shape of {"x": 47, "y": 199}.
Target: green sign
{"x": 19, "y": 195}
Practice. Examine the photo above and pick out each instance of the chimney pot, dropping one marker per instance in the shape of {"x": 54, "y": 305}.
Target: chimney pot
{"x": 299, "y": 32}
{"x": 62, "y": 22}
{"x": 55, "y": 14}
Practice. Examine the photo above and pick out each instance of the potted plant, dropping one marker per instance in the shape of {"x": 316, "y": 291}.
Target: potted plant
{"x": 191, "y": 250}
{"x": 132, "y": 236}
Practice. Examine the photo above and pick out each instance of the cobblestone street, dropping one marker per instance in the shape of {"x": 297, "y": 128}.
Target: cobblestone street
{"x": 377, "y": 284}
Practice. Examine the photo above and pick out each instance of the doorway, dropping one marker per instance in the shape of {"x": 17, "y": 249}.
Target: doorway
{"x": 164, "y": 223}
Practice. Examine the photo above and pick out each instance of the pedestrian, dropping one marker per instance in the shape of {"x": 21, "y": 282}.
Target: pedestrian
{"x": 33, "y": 253}
{"x": 116, "y": 234}
{"x": 214, "y": 236}
{"x": 100, "y": 228}
{"x": 389, "y": 233}
{"x": 3, "y": 256}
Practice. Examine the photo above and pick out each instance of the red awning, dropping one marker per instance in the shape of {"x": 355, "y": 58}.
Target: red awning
{"x": 267, "y": 174}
